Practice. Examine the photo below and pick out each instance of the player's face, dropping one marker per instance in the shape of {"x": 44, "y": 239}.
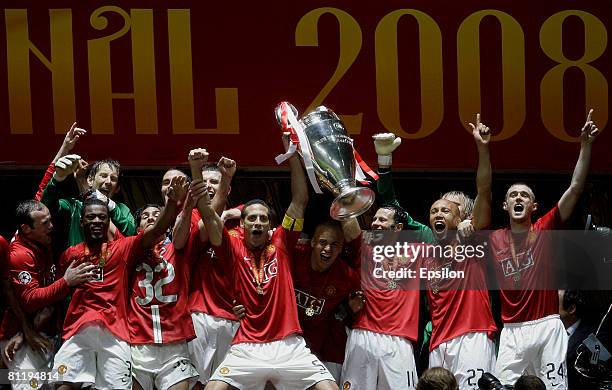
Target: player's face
{"x": 148, "y": 218}
{"x": 95, "y": 222}
{"x": 384, "y": 220}
{"x": 326, "y": 247}
{"x": 166, "y": 180}
{"x": 212, "y": 180}
{"x": 256, "y": 225}
{"x": 443, "y": 216}
{"x": 42, "y": 227}
{"x": 106, "y": 180}
{"x": 520, "y": 202}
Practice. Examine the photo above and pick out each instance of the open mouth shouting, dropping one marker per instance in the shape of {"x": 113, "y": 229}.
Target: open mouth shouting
{"x": 257, "y": 233}
{"x": 325, "y": 257}
{"x": 439, "y": 226}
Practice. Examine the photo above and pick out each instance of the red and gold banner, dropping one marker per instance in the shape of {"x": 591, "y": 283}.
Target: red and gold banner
{"x": 152, "y": 79}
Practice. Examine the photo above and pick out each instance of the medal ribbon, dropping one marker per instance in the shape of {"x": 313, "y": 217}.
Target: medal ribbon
{"x": 361, "y": 167}
{"x": 103, "y": 255}
{"x": 258, "y": 272}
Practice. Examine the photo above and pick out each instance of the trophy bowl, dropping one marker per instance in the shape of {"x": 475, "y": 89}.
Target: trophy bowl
{"x": 334, "y": 163}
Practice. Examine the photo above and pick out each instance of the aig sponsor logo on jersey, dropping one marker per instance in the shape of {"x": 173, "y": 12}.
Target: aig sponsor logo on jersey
{"x": 305, "y": 301}
{"x": 270, "y": 269}
{"x": 524, "y": 261}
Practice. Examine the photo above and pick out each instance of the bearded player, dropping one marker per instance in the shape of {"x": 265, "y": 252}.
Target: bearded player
{"x": 267, "y": 346}
{"x": 533, "y": 337}
{"x": 96, "y": 349}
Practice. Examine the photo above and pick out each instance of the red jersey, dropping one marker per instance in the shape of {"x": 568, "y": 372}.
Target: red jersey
{"x": 458, "y": 305}
{"x": 159, "y": 311}
{"x": 211, "y": 279}
{"x": 529, "y": 268}
{"x": 103, "y": 300}
{"x": 271, "y": 314}
{"x": 319, "y": 294}
{"x": 391, "y": 306}
{"x": 33, "y": 276}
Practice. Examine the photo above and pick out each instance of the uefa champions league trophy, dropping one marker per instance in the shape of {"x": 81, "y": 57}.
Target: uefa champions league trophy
{"x": 329, "y": 158}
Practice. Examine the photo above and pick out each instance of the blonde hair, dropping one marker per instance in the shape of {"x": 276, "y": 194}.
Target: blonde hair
{"x": 465, "y": 203}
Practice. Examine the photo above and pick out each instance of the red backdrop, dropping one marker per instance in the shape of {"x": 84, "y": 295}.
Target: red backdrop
{"x": 151, "y": 79}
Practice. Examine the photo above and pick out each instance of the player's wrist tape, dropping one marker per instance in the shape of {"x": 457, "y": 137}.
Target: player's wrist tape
{"x": 384, "y": 159}
{"x": 293, "y": 224}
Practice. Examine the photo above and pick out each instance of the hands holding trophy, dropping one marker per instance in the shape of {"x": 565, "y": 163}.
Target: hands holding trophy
{"x": 329, "y": 158}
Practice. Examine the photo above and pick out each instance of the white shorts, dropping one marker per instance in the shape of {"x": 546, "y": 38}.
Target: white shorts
{"x": 288, "y": 364}
{"x": 29, "y": 368}
{"x": 536, "y": 347}
{"x": 467, "y": 356}
{"x": 378, "y": 361}
{"x": 95, "y": 356}
{"x": 335, "y": 369}
{"x": 214, "y": 337}
{"x": 162, "y": 366}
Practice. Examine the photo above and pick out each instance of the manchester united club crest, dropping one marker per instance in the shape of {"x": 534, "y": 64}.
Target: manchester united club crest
{"x": 224, "y": 370}
{"x": 62, "y": 369}
{"x": 346, "y": 385}
{"x": 330, "y": 291}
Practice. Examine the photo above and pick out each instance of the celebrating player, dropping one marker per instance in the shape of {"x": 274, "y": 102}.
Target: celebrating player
{"x": 267, "y": 346}
{"x": 460, "y": 307}
{"x": 533, "y": 337}
{"x": 96, "y": 334}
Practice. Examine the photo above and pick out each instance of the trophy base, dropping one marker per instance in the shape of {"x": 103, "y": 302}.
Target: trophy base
{"x": 351, "y": 203}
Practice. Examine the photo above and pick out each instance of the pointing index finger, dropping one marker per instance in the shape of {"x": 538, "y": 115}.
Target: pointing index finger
{"x": 589, "y": 115}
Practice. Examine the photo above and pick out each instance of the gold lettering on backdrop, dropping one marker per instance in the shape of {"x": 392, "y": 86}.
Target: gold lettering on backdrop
{"x": 181, "y": 83}
{"x": 551, "y": 87}
{"x": 387, "y": 77}
{"x": 61, "y": 65}
{"x": 513, "y": 71}
{"x": 101, "y": 96}
{"x": 307, "y": 34}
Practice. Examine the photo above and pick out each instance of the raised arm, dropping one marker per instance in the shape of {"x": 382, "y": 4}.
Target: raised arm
{"x": 227, "y": 168}
{"x": 54, "y": 190}
{"x": 176, "y": 194}
{"x": 351, "y": 229}
{"x": 299, "y": 187}
{"x": 385, "y": 144}
{"x": 212, "y": 221}
{"x": 570, "y": 197}
{"x": 70, "y": 140}
{"x": 182, "y": 228}
{"x": 482, "y": 204}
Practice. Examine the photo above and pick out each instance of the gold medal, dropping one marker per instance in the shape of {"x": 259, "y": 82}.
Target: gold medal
{"x": 517, "y": 280}
{"x": 310, "y": 311}
{"x": 260, "y": 290}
